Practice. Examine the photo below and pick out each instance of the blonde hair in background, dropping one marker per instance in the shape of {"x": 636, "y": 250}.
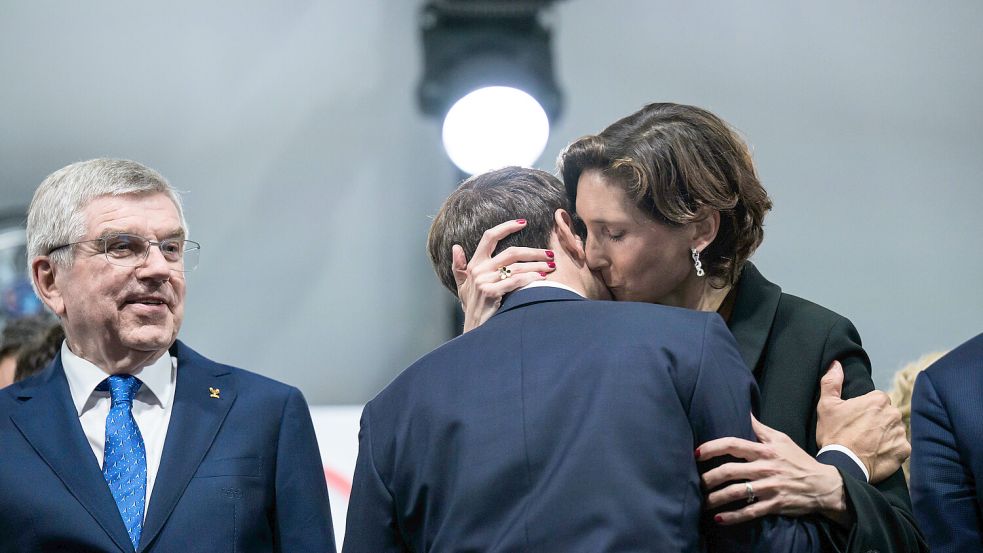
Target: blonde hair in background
{"x": 901, "y": 388}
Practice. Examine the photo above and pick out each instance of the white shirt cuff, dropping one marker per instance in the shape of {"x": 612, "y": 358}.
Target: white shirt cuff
{"x": 845, "y": 450}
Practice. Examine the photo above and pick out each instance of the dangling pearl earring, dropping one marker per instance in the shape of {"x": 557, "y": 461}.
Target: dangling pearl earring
{"x": 697, "y": 263}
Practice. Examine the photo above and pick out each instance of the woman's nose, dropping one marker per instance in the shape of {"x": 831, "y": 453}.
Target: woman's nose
{"x": 595, "y": 256}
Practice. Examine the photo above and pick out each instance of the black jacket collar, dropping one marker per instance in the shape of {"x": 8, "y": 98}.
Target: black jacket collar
{"x": 753, "y": 314}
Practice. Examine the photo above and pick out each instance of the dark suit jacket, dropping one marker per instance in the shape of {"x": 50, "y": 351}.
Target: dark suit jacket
{"x": 560, "y": 425}
{"x": 239, "y": 473}
{"x": 789, "y": 343}
{"x": 947, "y": 450}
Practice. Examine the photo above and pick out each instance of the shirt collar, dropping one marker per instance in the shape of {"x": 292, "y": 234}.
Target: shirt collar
{"x": 551, "y": 284}
{"x": 83, "y": 377}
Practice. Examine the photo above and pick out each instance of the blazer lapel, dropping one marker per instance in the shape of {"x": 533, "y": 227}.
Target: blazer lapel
{"x": 48, "y": 420}
{"x": 753, "y": 315}
{"x": 195, "y": 421}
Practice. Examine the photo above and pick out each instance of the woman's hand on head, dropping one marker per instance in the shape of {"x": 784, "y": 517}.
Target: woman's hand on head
{"x": 480, "y": 282}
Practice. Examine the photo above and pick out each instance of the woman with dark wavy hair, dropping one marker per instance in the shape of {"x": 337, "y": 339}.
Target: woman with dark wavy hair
{"x": 671, "y": 209}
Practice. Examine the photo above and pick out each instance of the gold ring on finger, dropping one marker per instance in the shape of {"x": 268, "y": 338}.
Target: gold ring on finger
{"x": 504, "y": 273}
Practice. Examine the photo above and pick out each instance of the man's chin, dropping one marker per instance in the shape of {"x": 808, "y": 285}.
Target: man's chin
{"x": 149, "y": 342}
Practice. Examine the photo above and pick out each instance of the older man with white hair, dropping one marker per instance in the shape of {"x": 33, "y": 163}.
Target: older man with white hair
{"x": 130, "y": 440}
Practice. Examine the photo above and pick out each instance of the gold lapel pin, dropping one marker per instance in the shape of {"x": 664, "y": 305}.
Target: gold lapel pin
{"x": 213, "y": 392}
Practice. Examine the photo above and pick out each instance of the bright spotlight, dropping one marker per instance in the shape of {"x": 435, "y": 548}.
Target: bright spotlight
{"x": 488, "y": 74}
{"x": 493, "y": 127}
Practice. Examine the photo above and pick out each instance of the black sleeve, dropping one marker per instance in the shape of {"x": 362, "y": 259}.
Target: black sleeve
{"x": 883, "y": 520}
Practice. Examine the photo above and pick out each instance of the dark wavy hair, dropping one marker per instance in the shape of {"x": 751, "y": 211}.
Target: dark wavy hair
{"x": 674, "y": 161}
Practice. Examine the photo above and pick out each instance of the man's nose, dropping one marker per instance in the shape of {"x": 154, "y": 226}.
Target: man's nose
{"x": 155, "y": 266}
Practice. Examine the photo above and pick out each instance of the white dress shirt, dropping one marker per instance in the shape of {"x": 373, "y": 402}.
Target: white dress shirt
{"x": 550, "y": 284}
{"x": 151, "y": 406}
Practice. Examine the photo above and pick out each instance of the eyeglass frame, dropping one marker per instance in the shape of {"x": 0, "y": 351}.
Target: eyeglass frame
{"x": 146, "y": 255}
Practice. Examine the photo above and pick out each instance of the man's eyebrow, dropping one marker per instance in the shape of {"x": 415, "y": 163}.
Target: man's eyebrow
{"x": 112, "y": 231}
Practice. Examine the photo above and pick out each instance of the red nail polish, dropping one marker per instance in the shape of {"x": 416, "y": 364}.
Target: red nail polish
{"x": 542, "y": 274}
{"x": 549, "y": 254}
{"x": 696, "y": 453}
{"x": 718, "y": 519}
{"x": 520, "y": 221}
{"x": 551, "y": 265}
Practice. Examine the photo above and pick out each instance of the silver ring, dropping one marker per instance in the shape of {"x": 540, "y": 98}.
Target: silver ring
{"x": 504, "y": 273}
{"x": 751, "y": 498}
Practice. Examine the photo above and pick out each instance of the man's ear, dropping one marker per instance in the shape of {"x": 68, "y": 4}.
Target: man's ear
{"x": 705, "y": 228}
{"x": 569, "y": 240}
{"x": 43, "y": 274}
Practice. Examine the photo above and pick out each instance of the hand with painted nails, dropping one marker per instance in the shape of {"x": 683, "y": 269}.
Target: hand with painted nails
{"x": 483, "y": 281}
{"x": 784, "y": 479}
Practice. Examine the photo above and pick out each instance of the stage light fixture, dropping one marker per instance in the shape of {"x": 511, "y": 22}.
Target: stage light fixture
{"x": 488, "y": 72}
{"x": 493, "y": 127}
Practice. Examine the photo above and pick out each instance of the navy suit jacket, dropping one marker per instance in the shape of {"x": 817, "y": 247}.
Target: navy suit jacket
{"x": 559, "y": 425}
{"x": 238, "y": 473}
{"x": 947, "y": 450}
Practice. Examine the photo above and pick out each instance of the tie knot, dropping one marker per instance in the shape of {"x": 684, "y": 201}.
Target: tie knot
{"x": 123, "y": 387}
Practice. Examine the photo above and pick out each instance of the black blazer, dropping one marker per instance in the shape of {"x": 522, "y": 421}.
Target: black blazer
{"x": 947, "y": 450}
{"x": 560, "y": 425}
{"x": 789, "y": 343}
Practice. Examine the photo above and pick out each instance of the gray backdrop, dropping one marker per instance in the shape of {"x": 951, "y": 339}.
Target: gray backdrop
{"x": 311, "y": 178}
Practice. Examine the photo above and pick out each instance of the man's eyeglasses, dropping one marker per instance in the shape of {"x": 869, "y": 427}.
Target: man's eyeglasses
{"x": 130, "y": 250}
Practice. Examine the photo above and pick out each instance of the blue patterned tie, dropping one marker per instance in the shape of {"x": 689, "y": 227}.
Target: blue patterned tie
{"x": 124, "y": 464}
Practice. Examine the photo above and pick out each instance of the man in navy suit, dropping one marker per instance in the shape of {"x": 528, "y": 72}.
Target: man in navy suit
{"x": 559, "y": 425}
{"x": 129, "y": 440}
{"x": 947, "y": 450}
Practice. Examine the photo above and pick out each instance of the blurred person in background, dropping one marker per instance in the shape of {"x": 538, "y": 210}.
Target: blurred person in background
{"x": 901, "y": 389}
{"x": 15, "y": 336}
{"x": 947, "y": 450}
{"x": 671, "y": 209}
{"x": 41, "y": 350}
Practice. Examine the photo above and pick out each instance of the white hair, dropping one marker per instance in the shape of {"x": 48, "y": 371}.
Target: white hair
{"x": 55, "y": 216}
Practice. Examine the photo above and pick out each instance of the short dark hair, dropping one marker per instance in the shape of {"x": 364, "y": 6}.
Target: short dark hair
{"x": 20, "y": 332}
{"x": 673, "y": 160}
{"x": 486, "y": 200}
{"x": 34, "y": 356}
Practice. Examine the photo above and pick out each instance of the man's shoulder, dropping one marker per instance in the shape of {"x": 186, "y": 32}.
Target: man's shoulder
{"x": 615, "y": 325}
{"x": 246, "y": 380}
{"x": 960, "y": 369}
{"x": 628, "y": 317}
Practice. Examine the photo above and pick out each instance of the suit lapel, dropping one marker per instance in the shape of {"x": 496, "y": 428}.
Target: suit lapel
{"x": 48, "y": 420}
{"x": 753, "y": 315}
{"x": 195, "y": 420}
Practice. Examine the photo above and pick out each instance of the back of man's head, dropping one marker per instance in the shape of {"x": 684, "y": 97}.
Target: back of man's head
{"x": 488, "y": 199}
{"x": 55, "y": 216}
